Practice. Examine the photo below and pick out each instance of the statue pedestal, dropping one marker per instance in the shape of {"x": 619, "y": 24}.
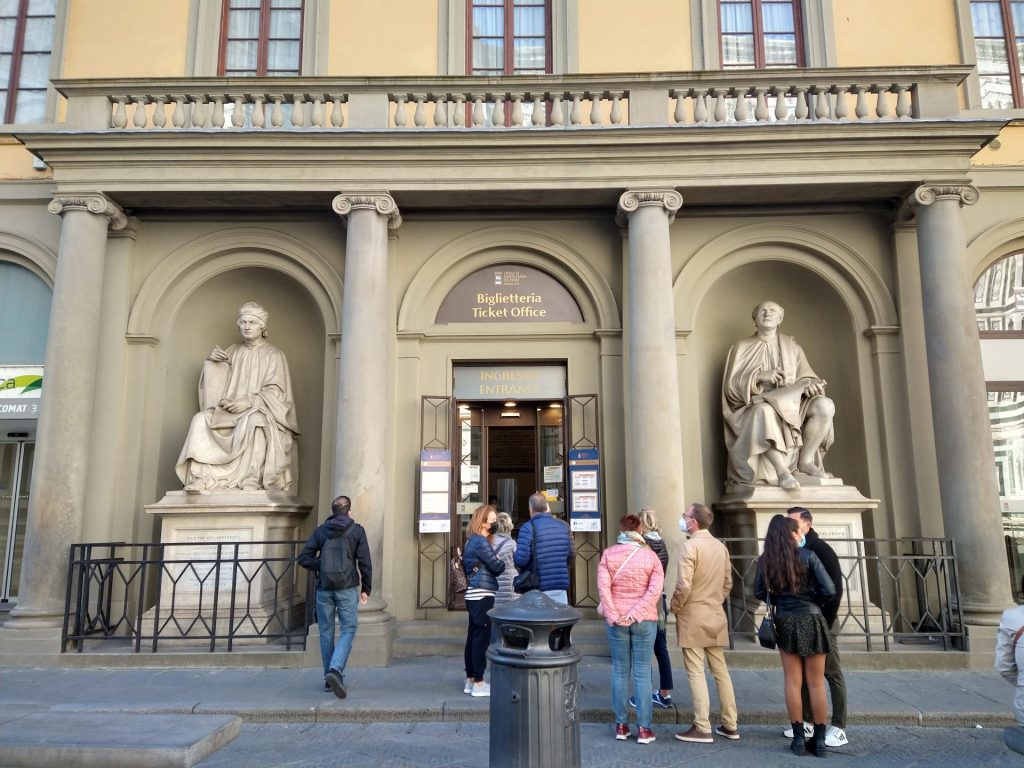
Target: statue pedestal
{"x": 838, "y": 519}
{"x": 227, "y": 537}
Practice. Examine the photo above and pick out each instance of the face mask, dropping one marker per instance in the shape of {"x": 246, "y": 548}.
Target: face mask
{"x": 803, "y": 540}
{"x": 682, "y": 525}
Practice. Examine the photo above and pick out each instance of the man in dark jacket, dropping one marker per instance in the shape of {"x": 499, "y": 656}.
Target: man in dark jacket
{"x": 835, "y": 736}
{"x": 555, "y": 550}
{"x": 339, "y": 554}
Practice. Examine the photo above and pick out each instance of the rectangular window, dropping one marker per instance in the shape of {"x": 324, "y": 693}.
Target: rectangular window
{"x": 261, "y": 38}
{"x": 508, "y": 37}
{"x": 999, "y": 45}
{"x": 755, "y": 34}
{"x": 26, "y": 40}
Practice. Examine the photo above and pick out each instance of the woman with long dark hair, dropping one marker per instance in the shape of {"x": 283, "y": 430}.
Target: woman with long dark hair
{"x": 482, "y": 569}
{"x": 797, "y": 584}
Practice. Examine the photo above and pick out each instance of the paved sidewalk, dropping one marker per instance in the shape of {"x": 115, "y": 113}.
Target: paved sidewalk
{"x": 430, "y": 690}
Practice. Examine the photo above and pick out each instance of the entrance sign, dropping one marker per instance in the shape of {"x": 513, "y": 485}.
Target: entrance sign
{"x": 20, "y": 388}
{"x": 509, "y": 293}
{"x": 501, "y": 382}
{"x": 584, "y": 489}
{"x": 435, "y": 491}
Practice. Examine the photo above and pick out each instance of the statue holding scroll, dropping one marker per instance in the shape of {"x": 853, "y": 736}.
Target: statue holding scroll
{"x": 243, "y": 436}
{"x": 777, "y": 418}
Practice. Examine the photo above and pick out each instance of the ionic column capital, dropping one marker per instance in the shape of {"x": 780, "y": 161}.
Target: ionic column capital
{"x": 635, "y": 199}
{"x": 381, "y": 202}
{"x": 93, "y": 202}
{"x": 927, "y": 194}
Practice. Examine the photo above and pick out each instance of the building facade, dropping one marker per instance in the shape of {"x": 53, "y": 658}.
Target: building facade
{"x": 489, "y": 233}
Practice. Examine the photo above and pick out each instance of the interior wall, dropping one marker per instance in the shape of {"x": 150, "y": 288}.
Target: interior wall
{"x": 207, "y": 319}
{"x": 817, "y": 317}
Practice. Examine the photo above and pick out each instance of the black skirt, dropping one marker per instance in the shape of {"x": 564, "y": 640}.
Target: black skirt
{"x": 804, "y": 635}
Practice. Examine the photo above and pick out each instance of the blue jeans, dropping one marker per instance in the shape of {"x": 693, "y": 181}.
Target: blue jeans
{"x": 632, "y": 646}
{"x": 346, "y": 603}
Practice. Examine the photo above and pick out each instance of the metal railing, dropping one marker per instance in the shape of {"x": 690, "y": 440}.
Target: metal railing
{"x": 212, "y": 596}
{"x": 895, "y": 592}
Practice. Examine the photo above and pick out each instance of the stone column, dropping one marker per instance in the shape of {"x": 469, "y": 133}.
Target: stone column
{"x": 62, "y": 463}
{"x": 365, "y": 411}
{"x": 963, "y": 437}
{"x": 654, "y": 434}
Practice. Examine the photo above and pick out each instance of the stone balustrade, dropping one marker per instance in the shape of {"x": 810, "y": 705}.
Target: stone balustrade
{"x": 680, "y": 99}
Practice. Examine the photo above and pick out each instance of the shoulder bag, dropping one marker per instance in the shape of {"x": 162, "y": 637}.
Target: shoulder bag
{"x": 458, "y": 576}
{"x": 600, "y": 606}
{"x": 528, "y": 580}
{"x": 766, "y": 632}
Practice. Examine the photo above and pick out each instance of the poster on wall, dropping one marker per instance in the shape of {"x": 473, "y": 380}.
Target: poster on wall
{"x": 435, "y": 492}
{"x": 584, "y": 489}
{"x": 20, "y": 388}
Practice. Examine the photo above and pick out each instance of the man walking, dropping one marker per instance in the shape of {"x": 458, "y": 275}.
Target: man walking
{"x": 339, "y": 554}
{"x": 703, "y": 580}
{"x": 835, "y": 735}
{"x": 555, "y": 550}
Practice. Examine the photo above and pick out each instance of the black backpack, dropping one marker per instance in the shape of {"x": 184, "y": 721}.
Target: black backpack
{"x": 338, "y": 562}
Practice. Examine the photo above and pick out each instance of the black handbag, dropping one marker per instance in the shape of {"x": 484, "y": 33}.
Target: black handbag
{"x": 528, "y": 580}
{"x": 766, "y": 632}
{"x": 459, "y": 583}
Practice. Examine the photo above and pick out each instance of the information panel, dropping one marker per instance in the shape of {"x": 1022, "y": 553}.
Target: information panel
{"x": 585, "y": 489}
{"x": 435, "y": 492}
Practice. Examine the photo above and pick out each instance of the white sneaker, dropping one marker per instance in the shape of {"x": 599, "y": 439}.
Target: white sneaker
{"x": 468, "y": 687}
{"x": 481, "y": 689}
{"x": 808, "y": 731}
{"x": 835, "y": 737}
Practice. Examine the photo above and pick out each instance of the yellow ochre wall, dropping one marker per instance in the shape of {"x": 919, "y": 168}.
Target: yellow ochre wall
{"x": 383, "y": 37}
{"x": 647, "y": 36}
{"x": 104, "y": 40}
{"x": 882, "y": 33}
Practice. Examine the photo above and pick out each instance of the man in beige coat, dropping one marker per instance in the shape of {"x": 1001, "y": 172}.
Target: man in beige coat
{"x": 704, "y": 579}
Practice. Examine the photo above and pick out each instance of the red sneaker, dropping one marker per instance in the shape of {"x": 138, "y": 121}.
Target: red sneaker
{"x": 621, "y": 732}
{"x": 644, "y": 735}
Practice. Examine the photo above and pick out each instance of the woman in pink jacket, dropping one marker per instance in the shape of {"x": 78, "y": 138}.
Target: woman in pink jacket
{"x": 630, "y": 581}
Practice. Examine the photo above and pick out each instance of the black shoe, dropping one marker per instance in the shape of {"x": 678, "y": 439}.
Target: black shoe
{"x": 798, "y": 747}
{"x": 336, "y": 681}
{"x": 327, "y": 686}
{"x": 816, "y": 744}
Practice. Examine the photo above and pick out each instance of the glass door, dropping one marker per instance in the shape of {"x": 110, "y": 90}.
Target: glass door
{"x": 15, "y": 471}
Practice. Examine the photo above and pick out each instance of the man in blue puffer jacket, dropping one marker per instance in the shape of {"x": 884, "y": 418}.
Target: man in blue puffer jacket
{"x": 555, "y": 550}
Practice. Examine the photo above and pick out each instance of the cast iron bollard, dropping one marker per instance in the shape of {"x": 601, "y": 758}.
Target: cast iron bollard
{"x": 534, "y": 684}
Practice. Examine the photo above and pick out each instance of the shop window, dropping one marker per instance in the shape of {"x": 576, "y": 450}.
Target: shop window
{"x": 755, "y": 34}
{"x": 261, "y": 38}
{"x": 26, "y": 44}
{"x": 999, "y": 46}
{"x": 508, "y": 37}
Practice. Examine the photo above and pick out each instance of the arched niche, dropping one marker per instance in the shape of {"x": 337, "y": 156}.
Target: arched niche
{"x": 456, "y": 260}
{"x": 207, "y": 317}
{"x": 821, "y": 321}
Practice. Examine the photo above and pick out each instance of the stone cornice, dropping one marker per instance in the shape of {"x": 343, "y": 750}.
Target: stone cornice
{"x": 635, "y": 199}
{"x": 95, "y": 202}
{"x": 381, "y": 202}
{"x": 926, "y": 194}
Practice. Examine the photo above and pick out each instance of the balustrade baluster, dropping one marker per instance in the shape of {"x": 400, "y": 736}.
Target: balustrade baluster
{"x": 298, "y": 119}
{"x": 742, "y": 110}
{"x": 419, "y": 115}
{"x": 139, "y": 117}
{"x": 401, "y": 119}
{"x": 517, "y": 112}
{"x": 700, "y": 107}
{"x": 440, "y": 112}
{"x": 277, "y": 113}
{"x": 595, "y": 109}
{"x": 616, "y": 114}
{"x": 238, "y": 112}
{"x": 498, "y": 115}
{"x": 861, "y": 108}
{"x": 317, "y": 115}
{"x": 159, "y": 114}
{"x": 760, "y": 105}
{"x": 178, "y": 116}
{"x": 902, "y": 102}
{"x": 882, "y": 108}
{"x": 822, "y": 109}
{"x": 680, "y": 113}
{"x": 479, "y": 114}
{"x": 200, "y": 112}
{"x": 781, "y": 106}
{"x": 460, "y": 111}
{"x": 802, "y": 107}
{"x": 576, "y": 113}
{"x": 842, "y": 103}
{"x": 720, "y": 111}
{"x": 337, "y": 115}
{"x": 218, "y": 111}
{"x": 537, "y": 118}
{"x": 120, "y": 118}
{"x": 557, "y": 113}
{"x": 259, "y": 112}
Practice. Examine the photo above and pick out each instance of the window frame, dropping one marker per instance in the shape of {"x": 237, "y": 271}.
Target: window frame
{"x": 18, "y": 50}
{"x": 969, "y": 41}
{"x": 509, "y": 37}
{"x": 758, "y": 33}
{"x": 263, "y": 39}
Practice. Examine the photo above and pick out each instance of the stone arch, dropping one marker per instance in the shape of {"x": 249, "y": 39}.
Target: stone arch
{"x": 993, "y": 244}
{"x": 168, "y": 286}
{"x": 468, "y": 253}
{"x": 862, "y": 289}
{"x": 31, "y": 254}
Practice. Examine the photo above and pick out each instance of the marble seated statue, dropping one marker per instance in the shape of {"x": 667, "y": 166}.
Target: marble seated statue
{"x": 244, "y": 434}
{"x": 778, "y": 420}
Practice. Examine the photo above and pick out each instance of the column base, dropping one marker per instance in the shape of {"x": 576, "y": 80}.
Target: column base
{"x": 981, "y": 639}
{"x": 982, "y": 614}
{"x": 24, "y": 617}
{"x": 30, "y": 647}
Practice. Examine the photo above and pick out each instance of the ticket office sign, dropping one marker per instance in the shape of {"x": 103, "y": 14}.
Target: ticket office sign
{"x": 585, "y": 489}
{"x": 435, "y": 492}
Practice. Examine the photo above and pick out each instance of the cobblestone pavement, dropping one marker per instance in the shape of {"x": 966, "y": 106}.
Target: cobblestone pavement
{"x": 466, "y": 744}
